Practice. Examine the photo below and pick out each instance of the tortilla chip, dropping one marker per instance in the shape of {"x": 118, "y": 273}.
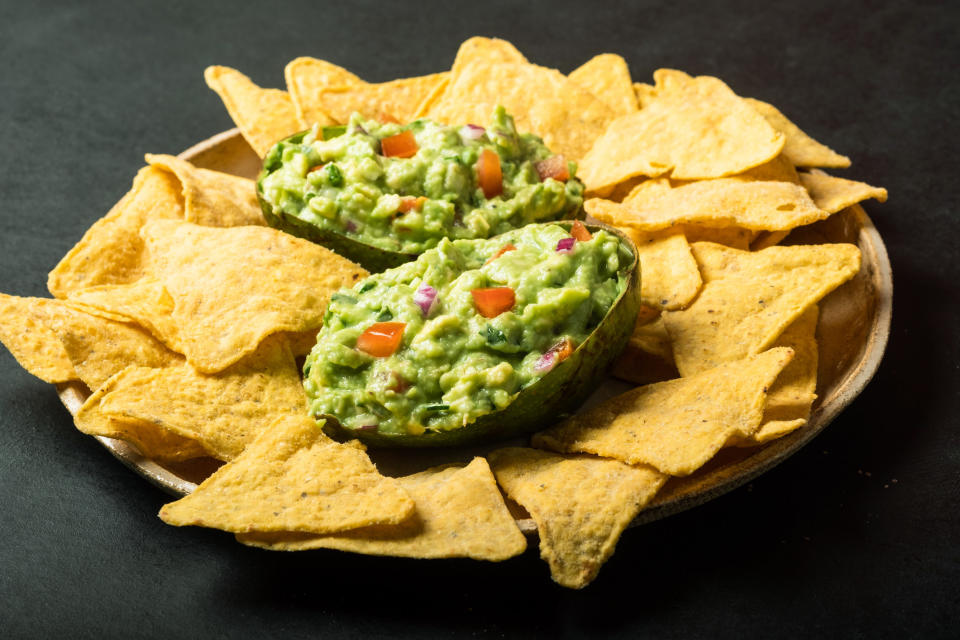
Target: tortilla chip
{"x": 670, "y": 278}
{"x": 645, "y": 93}
{"x": 459, "y": 514}
{"x": 801, "y": 149}
{"x": 581, "y": 505}
{"x": 835, "y": 194}
{"x": 750, "y": 204}
{"x": 736, "y": 237}
{"x": 480, "y": 49}
{"x": 780, "y": 169}
{"x": 212, "y": 198}
{"x": 224, "y": 411}
{"x": 749, "y": 298}
{"x": 766, "y": 239}
{"x": 542, "y": 101}
{"x": 152, "y": 440}
{"x": 771, "y": 430}
{"x": 678, "y": 425}
{"x": 263, "y": 116}
{"x": 607, "y": 77}
{"x": 111, "y": 251}
{"x": 648, "y": 356}
{"x": 293, "y": 478}
{"x": 397, "y": 99}
{"x": 27, "y": 330}
{"x": 99, "y": 347}
{"x": 306, "y": 79}
{"x": 694, "y": 128}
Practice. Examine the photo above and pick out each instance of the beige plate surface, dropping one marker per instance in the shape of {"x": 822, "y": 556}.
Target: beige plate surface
{"x": 852, "y": 333}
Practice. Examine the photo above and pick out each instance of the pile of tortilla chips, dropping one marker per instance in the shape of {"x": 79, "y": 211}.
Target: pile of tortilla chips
{"x": 183, "y": 314}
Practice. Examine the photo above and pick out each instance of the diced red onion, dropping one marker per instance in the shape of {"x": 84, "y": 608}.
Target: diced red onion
{"x": 351, "y": 226}
{"x": 566, "y": 245}
{"x": 546, "y": 362}
{"x": 425, "y": 298}
{"x": 471, "y": 132}
{"x": 369, "y": 422}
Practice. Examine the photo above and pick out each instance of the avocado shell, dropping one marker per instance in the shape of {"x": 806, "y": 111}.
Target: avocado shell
{"x": 554, "y": 396}
{"x": 373, "y": 259}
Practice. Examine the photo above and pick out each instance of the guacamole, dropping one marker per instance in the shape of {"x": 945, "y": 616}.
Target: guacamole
{"x": 434, "y": 344}
{"x": 402, "y": 187}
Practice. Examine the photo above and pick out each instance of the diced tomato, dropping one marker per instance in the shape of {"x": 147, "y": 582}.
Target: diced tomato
{"x": 553, "y": 167}
{"x": 381, "y": 339}
{"x": 409, "y": 203}
{"x": 402, "y": 145}
{"x": 488, "y": 174}
{"x": 503, "y": 250}
{"x": 492, "y": 302}
{"x": 316, "y": 168}
{"x": 579, "y": 231}
{"x": 563, "y": 349}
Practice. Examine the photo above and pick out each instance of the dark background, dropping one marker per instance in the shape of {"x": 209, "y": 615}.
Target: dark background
{"x": 855, "y": 536}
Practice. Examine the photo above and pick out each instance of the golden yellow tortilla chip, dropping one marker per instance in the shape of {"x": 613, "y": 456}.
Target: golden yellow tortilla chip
{"x": 581, "y": 505}
{"x": 481, "y": 49}
{"x": 225, "y": 411}
{"x": 111, "y": 251}
{"x": 749, "y": 298}
{"x": 771, "y": 430}
{"x": 27, "y": 329}
{"x": 542, "y": 101}
{"x": 801, "y": 149}
{"x": 306, "y": 79}
{"x": 648, "y": 356}
{"x": 263, "y": 116}
{"x": 670, "y": 278}
{"x": 780, "y": 169}
{"x": 99, "y": 347}
{"x": 293, "y": 478}
{"x": 212, "y": 198}
{"x": 397, "y": 99}
{"x": 694, "y": 128}
{"x": 834, "y": 194}
{"x": 678, "y": 425}
{"x": 459, "y": 514}
{"x": 736, "y": 237}
{"x": 152, "y": 440}
{"x": 644, "y": 92}
{"x": 766, "y": 239}
{"x": 750, "y": 204}
{"x": 607, "y": 77}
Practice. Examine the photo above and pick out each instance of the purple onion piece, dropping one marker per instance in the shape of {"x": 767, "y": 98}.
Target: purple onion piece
{"x": 425, "y": 298}
{"x": 351, "y": 226}
{"x": 546, "y": 362}
{"x": 471, "y": 132}
{"x": 566, "y": 245}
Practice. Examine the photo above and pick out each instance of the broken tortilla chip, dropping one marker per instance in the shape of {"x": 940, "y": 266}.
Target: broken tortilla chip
{"x": 799, "y": 148}
{"x": 460, "y": 513}
{"x": 27, "y": 329}
{"x": 694, "y": 128}
{"x": 678, "y": 425}
{"x": 581, "y": 505}
{"x": 781, "y": 283}
{"x": 111, "y": 251}
{"x": 212, "y": 198}
{"x": 293, "y": 478}
{"x": 263, "y": 116}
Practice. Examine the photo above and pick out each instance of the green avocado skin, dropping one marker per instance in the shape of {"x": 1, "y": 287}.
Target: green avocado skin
{"x": 373, "y": 259}
{"x": 552, "y": 397}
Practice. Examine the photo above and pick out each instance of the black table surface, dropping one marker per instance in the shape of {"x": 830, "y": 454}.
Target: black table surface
{"x": 854, "y": 536}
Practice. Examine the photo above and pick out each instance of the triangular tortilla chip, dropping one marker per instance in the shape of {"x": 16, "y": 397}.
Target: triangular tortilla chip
{"x": 212, "y": 198}
{"x": 723, "y": 324}
{"x": 27, "y": 330}
{"x": 607, "y": 77}
{"x": 481, "y": 49}
{"x": 111, "y": 251}
{"x": 581, "y": 505}
{"x": 263, "y": 116}
{"x": 834, "y": 194}
{"x": 694, "y": 128}
{"x": 293, "y": 478}
{"x": 542, "y": 101}
{"x": 678, "y": 425}
{"x": 225, "y": 411}
{"x": 669, "y": 278}
{"x": 459, "y": 514}
{"x": 397, "y": 99}
{"x": 306, "y": 79}
{"x": 801, "y": 149}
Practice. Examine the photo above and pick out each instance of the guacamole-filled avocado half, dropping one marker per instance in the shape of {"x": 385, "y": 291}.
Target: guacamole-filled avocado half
{"x": 476, "y": 339}
{"x": 382, "y": 193}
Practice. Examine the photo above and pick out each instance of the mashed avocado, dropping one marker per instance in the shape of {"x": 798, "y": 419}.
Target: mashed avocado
{"x": 402, "y": 188}
{"x": 457, "y": 334}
